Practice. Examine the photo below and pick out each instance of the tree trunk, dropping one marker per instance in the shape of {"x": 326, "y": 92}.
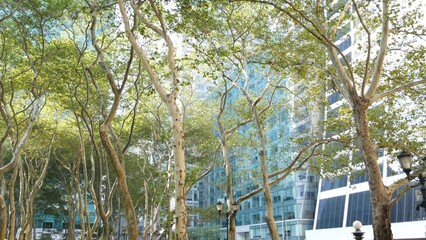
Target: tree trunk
{"x": 380, "y": 197}
{"x": 180, "y": 174}
{"x": 98, "y": 170}
{"x": 269, "y": 218}
{"x": 115, "y": 156}
{"x": 228, "y": 173}
{"x": 170, "y": 99}
{"x": 123, "y": 190}
{"x": 12, "y": 214}
{"x": 71, "y": 219}
{"x": 169, "y": 220}
{"x": 230, "y": 198}
{"x": 232, "y": 227}
{"x": 3, "y": 218}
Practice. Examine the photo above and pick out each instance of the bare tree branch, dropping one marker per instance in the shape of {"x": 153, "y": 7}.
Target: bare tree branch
{"x": 382, "y": 53}
{"x": 406, "y": 86}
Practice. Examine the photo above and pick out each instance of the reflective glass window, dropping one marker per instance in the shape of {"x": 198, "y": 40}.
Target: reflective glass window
{"x": 359, "y": 208}
{"x": 330, "y": 212}
{"x": 359, "y": 177}
{"x": 334, "y": 183}
{"x": 405, "y": 210}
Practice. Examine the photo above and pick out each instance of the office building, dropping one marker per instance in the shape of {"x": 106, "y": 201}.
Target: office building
{"x": 345, "y": 199}
{"x": 293, "y": 198}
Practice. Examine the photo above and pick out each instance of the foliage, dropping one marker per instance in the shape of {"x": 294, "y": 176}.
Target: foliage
{"x": 47, "y": 53}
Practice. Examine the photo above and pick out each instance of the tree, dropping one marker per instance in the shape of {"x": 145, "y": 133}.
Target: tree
{"x": 109, "y": 139}
{"x": 90, "y": 87}
{"x": 230, "y": 42}
{"x": 169, "y": 96}
{"x": 375, "y": 76}
{"x": 23, "y": 88}
{"x": 32, "y": 171}
{"x": 231, "y": 45}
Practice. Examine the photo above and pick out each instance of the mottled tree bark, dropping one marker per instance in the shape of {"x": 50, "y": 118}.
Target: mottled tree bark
{"x": 3, "y": 217}
{"x": 106, "y": 132}
{"x": 380, "y": 197}
{"x": 170, "y": 99}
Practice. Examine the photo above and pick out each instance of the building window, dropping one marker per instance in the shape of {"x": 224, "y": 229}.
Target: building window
{"x": 345, "y": 44}
{"x": 256, "y": 218}
{"x": 380, "y": 152}
{"x": 273, "y": 135}
{"x": 333, "y": 98}
{"x": 310, "y": 195}
{"x": 359, "y": 208}
{"x": 343, "y": 31}
{"x": 330, "y": 212}
{"x": 256, "y": 201}
{"x": 405, "y": 209}
{"x": 47, "y": 224}
{"x": 277, "y": 198}
{"x": 334, "y": 183}
{"x": 359, "y": 177}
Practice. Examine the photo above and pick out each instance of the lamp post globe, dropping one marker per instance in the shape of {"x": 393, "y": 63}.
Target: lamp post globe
{"x": 358, "y": 234}
{"x": 357, "y": 225}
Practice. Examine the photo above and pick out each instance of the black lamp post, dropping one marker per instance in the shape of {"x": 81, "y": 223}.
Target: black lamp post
{"x": 219, "y": 207}
{"x": 406, "y": 161}
{"x": 358, "y": 234}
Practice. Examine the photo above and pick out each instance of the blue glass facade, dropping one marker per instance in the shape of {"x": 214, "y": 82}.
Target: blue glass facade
{"x": 359, "y": 208}
{"x": 294, "y": 198}
{"x": 330, "y": 212}
{"x": 405, "y": 209}
{"x": 334, "y": 183}
{"x": 44, "y": 220}
{"x": 359, "y": 177}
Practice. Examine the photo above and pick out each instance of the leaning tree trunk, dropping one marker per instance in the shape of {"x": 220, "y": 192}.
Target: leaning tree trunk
{"x": 379, "y": 195}
{"x": 180, "y": 174}
{"x": 228, "y": 172}
{"x": 255, "y": 114}
{"x": 230, "y": 198}
{"x": 12, "y": 211}
{"x": 3, "y": 216}
{"x": 115, "y": 157}
{"x": 228, "y": 168}
{"x": 170, "y": 98}
{"x": 269, "y": 217}
{"x": 123, "y": 189}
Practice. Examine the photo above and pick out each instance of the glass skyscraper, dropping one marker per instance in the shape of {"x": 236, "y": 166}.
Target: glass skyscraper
{"x": 293, "y": 198}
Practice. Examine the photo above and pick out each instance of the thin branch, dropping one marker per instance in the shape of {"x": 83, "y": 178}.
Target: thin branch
{"x": 382, "y": 53}
{"x": 367, "y": 61}
{"x": 377, "y": 97}
{"x": 133, "y": 122}
{"x": 141, "y": 53}
{"x": 313, "y": 145}
{"x": 18, "y": 3}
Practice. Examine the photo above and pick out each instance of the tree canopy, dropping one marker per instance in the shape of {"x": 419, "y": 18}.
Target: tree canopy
{"x": 128, "y": 104}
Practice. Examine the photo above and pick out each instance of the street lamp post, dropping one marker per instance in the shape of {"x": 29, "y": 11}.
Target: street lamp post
{"x": 358, "y": 234}
{"x": 406, "y": 161}
{"x": 219, "y": 207}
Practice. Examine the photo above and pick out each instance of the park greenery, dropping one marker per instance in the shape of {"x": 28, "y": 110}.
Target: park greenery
{"x": 127, "y": 104}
